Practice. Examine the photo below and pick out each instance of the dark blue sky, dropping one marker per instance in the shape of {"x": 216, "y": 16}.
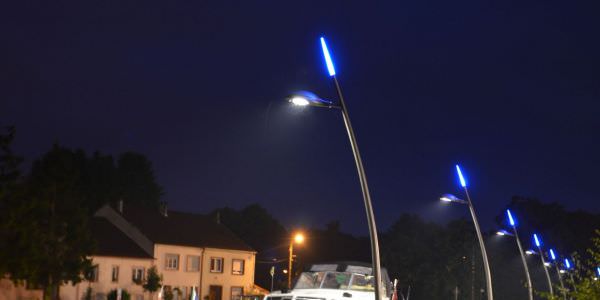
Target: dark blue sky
{"x": 509, "y": 89}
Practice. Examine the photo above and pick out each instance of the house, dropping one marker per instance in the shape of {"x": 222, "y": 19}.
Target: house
{"x": 192, "y": 253}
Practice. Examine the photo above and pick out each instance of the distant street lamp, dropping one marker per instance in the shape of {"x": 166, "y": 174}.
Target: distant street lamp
{"x": 538, "y": 244}
{"x": 553, "y": 257}
{"x": 486, "y": 264}
{"x": 568, "y": 266}
{"x": 310, "y": 99}
{"x": 513, "y": 223}
{"x": 298, "y": 239}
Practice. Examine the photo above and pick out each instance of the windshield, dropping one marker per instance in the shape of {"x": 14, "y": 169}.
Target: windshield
{"x": 335, "y": 280}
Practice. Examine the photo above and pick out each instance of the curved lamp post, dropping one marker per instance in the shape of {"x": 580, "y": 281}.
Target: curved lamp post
{"x": 568, "y": 267}
{"x": 562, "y": 285}
{"x": 513, "y": 223}
{"x": 310, "y": 99}
{"x": 538, "y": 244}
{"x": 486, "y": 264}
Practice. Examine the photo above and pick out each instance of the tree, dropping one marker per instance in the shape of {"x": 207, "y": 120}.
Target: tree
{"x": 136, "y": 181}
{"x": 51, "y": 242}
{"x": 153, "y": 281}
{"x": 9, "y": 191}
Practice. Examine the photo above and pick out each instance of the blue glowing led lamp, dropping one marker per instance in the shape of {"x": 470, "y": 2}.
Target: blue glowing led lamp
{"x": 598, "y": 270}
{"x": 538, "y": 243}
{"x": 552, "y": 255}
{"x": 327, "y": 56}
{"x": 511, "y": 220}
{"x": 567, "y": 263}
{"x": 463, "y": 183}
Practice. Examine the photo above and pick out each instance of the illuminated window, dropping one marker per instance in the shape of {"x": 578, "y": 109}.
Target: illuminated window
{"x": 237, "y": 267}
{"x": 216, "y": 265}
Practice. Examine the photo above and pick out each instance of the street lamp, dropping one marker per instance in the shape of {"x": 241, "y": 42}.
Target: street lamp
{"x": 486, "y": 264}
{"x": 513, "y": 223}
{"x": 538, "y": 244}
{"x": 562, "y": 285}
{"x": 568, "y": 266}
{"x": 298, "y": 239}
{"x": 310, "y": 99}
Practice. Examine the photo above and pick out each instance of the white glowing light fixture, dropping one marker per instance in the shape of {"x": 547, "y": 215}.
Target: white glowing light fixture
{"x": 510, "y": 218}
{"x": 537, "y": 240}
{"x": 552, "y": 255}
{"x": 463, "y": 183}
{"x": 300, "y": 101}
{"x": 327, "y": 56}
{"x": 529, "y": 252}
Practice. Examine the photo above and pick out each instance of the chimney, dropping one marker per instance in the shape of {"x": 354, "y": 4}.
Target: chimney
{"x": 163, "y": 209}
{"x": 120, "y": 206}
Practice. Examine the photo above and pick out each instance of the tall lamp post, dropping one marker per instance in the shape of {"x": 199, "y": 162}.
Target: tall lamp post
{"x": 538, "y": 244}
{"x": 486, "y": 264}
{"x": 298, "y": 239}
{"x": 562, "y": 285}
{"x": 306, "y": 99}
{"x": 568, "y": 270}
{"x": 513, "y": 223}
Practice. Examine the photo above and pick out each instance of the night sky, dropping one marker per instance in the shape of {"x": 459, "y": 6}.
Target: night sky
{"x": 508, "y": 89}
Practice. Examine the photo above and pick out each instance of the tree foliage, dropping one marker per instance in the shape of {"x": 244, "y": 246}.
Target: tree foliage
{"x": 153, "y": 281}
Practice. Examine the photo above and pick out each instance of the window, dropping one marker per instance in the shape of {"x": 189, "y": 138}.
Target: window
{"x": 137, "y": 275}
{"x": 237, "y": 292}
{"x": 193, "y": 263}
{"x": 216, "y": 265}
{"x": 93, "y": 274}
{"x": 172, "y": 261}
{"x": 237, "y": 267}
{"x": 115, "y": 274}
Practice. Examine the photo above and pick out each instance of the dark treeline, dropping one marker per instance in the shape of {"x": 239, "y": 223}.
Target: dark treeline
{"x": 44, "y": 238}
{"x": 435, "y": 260}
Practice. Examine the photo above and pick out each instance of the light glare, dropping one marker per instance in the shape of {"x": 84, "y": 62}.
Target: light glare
{"x": 510, "y": 218}
{"x": 300, "y": 101}
{"x": 552, "y": 255}
{"x": 328, "y": 60}
{"x": 299, "y": 238}
{"x": 463, "y": 183}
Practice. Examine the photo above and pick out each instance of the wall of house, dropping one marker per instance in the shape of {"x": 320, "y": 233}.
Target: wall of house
{"x": 226, "y": 279}
{"x": 181, "y": 278}
{"x": 104, "y": 284}
{"x": 9, "y": 291}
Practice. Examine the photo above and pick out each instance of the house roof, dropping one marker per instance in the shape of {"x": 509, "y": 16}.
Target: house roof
{"x": 110, "y": 241}
{"x": 184, "y": 229}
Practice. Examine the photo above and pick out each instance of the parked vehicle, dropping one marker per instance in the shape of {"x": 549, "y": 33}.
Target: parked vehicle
{"x": 336, "y": 281}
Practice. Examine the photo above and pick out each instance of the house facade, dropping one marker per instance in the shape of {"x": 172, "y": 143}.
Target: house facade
{"x": 193, "y": 254}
